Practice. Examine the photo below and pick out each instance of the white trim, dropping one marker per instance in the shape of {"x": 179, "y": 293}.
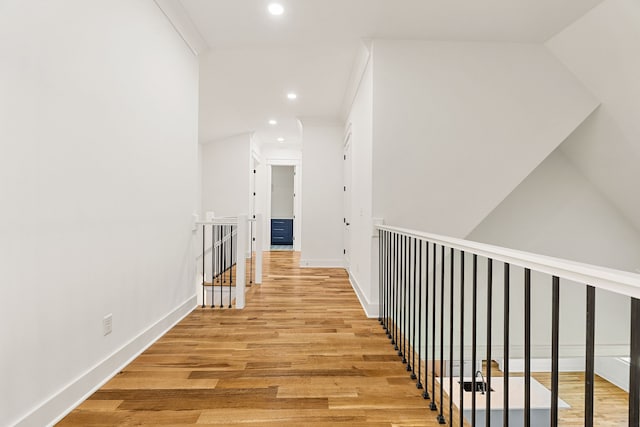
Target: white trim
{"x": 615, "y": 370}
{"x": 184, "y": 26}
{"x": 371, "y": 310}
{"x": 574, "y": 364}
{"x": 61, "y": 403}
{"x": 617, "y": 281}
{"x": 322, "y": 263}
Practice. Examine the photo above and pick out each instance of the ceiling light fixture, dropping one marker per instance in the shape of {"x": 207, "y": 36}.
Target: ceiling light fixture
{"x": 273, "y": 122}
{"x": 276, "y": 9}
{"x": 281, "y": 139}
{"x": 292, "y": 95}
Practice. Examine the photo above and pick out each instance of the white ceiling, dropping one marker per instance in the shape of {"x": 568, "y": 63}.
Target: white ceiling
{"x": 255, "y": 58}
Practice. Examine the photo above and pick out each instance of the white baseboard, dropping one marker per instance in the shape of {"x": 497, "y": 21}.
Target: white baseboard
{"x": 615, "y": 370}
{"x": 321, "y": 263}
{"x": 77, "y": 391}
{"x": 572, "y": 364}
{"x": 371, "y": 310}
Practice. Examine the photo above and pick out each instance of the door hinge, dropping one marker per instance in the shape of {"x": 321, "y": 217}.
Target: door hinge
{"x": 254, "y": 171}
{"x": 345, "y": 188}
{"x": 344, "y": 252}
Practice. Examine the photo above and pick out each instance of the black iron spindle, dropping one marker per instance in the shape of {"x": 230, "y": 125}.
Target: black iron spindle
{"x": 433, "y": 405}
{"x": 223, "y": 256}
{"x": 527, "y": 347}
{"x": 555, "y": 347}
{"x": 461, "y": 404}
{"x": 487, "y": 389}
{"x": 413, "y": 329}
{"x": 419, "y": 383}
{"x": 203, "y": 265}
{"x": 440, "y": 417}
{"x": 395, "y": 297}
{"x": 425, "y": 394}
{"x": 589, "y": 363}
{"x": 380, "y": 263}
{"x": 505, "y": 404}
{"x": 451, "y": 289}
{"x": 474, "y": 337}
{"x": 231, "y": 267}
{"x": 213, "y": 265}
{"x": 403, "y": 294}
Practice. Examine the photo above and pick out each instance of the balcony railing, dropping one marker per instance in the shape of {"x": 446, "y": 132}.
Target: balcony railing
{"x": 440, "y": 305}
{"x": 227, "y": 243}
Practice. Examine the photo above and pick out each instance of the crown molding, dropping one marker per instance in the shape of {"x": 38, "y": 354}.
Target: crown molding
{"x": 184, "y": 26}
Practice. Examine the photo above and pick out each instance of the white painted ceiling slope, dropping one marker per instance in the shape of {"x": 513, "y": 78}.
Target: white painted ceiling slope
{"x": 254, "y": 58}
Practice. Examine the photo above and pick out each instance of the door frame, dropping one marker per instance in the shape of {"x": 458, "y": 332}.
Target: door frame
{"x": 297, "y": 202}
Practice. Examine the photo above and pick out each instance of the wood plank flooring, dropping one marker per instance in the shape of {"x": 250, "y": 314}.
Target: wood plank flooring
{"x": 302, "y": 352}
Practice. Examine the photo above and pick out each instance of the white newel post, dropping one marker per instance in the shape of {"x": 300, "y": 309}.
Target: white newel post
{"x": 241, "y": 264}
{"x": 258, "y": 246}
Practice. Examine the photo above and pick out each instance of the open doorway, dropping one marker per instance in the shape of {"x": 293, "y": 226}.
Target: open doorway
{"x": 282, "y": 207}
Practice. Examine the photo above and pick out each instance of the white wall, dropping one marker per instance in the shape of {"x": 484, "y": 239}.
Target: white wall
{"x": 226, "y": 175}
{"x": 98, "y": 135}
{"x": 601, "y": 49}
{"x": 282, "y": 192}
{"x": 457, "y": 126}
{"x": 556, "y": 211}
{"x": 360, "y": 124}
{"x": 322, "y": 204}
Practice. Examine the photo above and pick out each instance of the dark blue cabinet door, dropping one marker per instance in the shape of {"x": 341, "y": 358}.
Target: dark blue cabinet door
{"x": 282, "y": 232}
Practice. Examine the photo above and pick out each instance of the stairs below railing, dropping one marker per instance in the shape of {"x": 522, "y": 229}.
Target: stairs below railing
{"x": 224, "y": 271}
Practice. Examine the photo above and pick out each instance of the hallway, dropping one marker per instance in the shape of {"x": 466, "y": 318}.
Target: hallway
{"x": 301, "y": 353}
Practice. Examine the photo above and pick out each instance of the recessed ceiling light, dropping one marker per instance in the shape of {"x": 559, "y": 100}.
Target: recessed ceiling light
{"x": 276, "y": 9}
{"x": 292, "y": 95}
{"x": 273, "y": 122}
{"x": 281, "y": 139}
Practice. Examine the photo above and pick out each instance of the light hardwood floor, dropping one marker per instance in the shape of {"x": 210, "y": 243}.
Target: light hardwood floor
{"x": 302, "y": 352}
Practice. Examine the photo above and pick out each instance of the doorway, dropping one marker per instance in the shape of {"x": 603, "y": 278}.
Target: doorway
{"x": 282, "y": 207}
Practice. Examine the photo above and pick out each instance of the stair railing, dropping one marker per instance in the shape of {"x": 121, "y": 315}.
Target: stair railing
{"x": 226, "y": 244}
{"x": 423, "y": 277}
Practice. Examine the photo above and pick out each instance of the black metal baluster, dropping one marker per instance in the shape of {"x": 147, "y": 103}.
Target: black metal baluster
{"x": 403, "y": 285}
{"x": 405, "y": 314}
{"x": 407, "y": 322}
{"x": 425, "y": 394}
{"x": 433, "y": 405}
{"x": 395, "y": 286}
{"x": 555, "y": 347}
{"x": 223, "y": 256}
{"x": 231, "y": 268}
{"x": 380, "y": 263}
{"x": 527, "y": 347}
{"x": 474, "y": 337}
{"x": 461, "y": 404}
{"x": 451, "y": 253}
{"x": 634, "y": 368}
{"x": 505, "y": 404}
{"x": 419, "y": 383}
{"x": 413, "y": 329}
{"x": 589, "y": 363}
{"x": 440, "y": 417}
{"x": 387, "y": 281}
{"x": 214, "y": 257}
{"x": 203, "y": 265}
{"x": 488, "y": 362}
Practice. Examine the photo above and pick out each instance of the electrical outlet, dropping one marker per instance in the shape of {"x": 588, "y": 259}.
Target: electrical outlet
{"x": 107, "y": 324}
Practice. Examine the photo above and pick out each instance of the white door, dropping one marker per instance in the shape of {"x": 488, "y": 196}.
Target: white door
{"x": 347, "y": 202}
